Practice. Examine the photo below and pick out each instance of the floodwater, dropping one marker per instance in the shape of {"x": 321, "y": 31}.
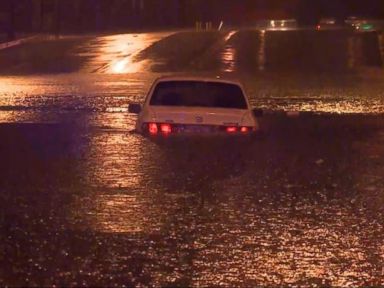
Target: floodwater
{"x": 86, "y": 202}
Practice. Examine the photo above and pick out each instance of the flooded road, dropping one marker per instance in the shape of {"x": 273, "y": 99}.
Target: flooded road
{"x": 85, "y": 202}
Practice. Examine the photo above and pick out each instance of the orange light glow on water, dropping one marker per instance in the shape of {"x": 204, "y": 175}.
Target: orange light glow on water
{"x": 119, "y": 66}
{"x": 119, "y": 53}
{"x": 126, "y": 48}
{"x": 126, "y": 65}
{"x": 113, "y": 208}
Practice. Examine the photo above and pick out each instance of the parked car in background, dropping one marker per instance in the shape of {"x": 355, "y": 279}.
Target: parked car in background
{"x": 364, "y": 24}
{"x": 195, "y": 105}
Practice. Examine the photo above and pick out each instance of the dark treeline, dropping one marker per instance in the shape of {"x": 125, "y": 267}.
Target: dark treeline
{"x": 61, "y": 16}
{"x": 88, "y": 15}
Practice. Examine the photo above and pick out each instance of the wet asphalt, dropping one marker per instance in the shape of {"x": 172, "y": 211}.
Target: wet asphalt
{"x": 86, "y": 202}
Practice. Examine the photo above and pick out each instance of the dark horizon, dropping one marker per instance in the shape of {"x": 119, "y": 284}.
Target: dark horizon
{"x": 101, "y": 15}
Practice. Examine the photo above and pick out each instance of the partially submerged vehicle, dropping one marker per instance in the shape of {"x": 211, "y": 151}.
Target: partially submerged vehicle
{"x": 195, "y": 105}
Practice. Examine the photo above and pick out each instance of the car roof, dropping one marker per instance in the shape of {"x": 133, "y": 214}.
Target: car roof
{"x": 217, "y": 79}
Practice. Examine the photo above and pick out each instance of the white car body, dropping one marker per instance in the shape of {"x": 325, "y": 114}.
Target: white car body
{"x": 182, "y": 119}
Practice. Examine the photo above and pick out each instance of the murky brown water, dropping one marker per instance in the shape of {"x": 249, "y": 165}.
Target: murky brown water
{"x": 86, "y": 202}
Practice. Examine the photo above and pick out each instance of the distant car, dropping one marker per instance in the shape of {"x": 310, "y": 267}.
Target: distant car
{"x": 277, "y": 24}
{"x": 363, "y": 24}
{"x": 194, "y": 105}
{"x": 326, "y": 23}
{"x": 354, "y": 21}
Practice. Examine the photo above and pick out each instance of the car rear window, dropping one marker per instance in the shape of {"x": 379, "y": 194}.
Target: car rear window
{"x": 198, "y": 94}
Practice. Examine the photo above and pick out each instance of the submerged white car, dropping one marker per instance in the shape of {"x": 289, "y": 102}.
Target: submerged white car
{"x": 192, "y": 105}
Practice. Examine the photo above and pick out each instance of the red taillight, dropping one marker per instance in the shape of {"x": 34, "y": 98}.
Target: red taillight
{"x": 155, "y": 128}
{"x": 152, "y": 128}
{"x": 244, "y": 129}
{"x": 231, "y": 129}
{"x": 165, "y": 128}
{"x": 235, "y": 129}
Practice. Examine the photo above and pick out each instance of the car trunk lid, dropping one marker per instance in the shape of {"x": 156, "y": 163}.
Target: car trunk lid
{"x": 198, "y": 115}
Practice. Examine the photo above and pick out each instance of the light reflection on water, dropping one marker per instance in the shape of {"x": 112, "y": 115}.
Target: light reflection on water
{"x": 228, "y": 55}
{"x": 282, "y": 248}
{"x": 295, "y": 212}
{"x": 15, "y": 116}
{"x": 256, "y": 228}
{"x": 113, "y": 93}
{"x": 118, "y": 53}
{"x": 112, "y": 151}
{"x": 330, "y": 106}
{"x": 264, "y": 225}
{"x": 261, "y": 53}
{"x": 115, "y": 214}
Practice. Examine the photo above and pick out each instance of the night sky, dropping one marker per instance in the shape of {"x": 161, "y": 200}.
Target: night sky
{"x": 309, "y": 10}
{"x": 109, "y": 14}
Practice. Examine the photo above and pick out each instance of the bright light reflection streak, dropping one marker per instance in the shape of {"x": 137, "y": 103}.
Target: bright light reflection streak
{"x": 228, "y": 56}
{"x": 114, "y": 168}
{"x": 261, "y": 56}
{"x": 229, "y": 36}
{"x": 114, "y": 159}
{"x": 119, "y": 53}
{"x": 119, "y": 66}
{"x": 127, "y": 65}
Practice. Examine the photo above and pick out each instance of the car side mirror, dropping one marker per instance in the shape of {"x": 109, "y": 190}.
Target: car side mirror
{"x": 257, "y": 112}
{"x": 134, "y": 108}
